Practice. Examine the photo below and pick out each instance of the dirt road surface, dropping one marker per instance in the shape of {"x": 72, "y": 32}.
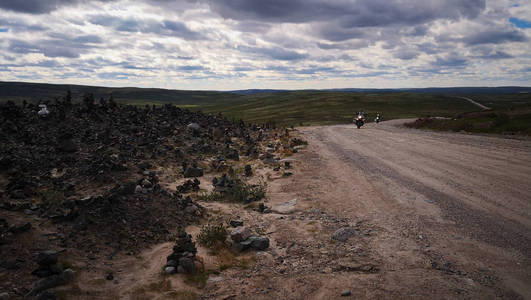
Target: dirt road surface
{"x": 437, "y": 215}
{"x": 424, "y": 215}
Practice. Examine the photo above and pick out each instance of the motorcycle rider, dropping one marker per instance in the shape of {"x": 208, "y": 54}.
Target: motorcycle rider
{"x": 378, "y": 118}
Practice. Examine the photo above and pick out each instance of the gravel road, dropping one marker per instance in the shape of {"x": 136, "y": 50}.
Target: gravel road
{"x": 461, "y": 201}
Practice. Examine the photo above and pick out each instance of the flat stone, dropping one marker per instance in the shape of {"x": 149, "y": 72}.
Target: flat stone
{"x": 285, "y": 208}
{"x": 240, "y": 234}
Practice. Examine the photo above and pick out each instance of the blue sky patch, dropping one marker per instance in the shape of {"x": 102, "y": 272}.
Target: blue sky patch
{"x": 520, "y": 23}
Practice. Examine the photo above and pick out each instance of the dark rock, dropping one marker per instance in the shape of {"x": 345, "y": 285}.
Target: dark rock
{"x": 20, "y": 228}
{"x": 243, "y": 245}
{"x": 346, "y": 293}
{"x": 193, "y": 172}
{"x": 67, "y": 146}
{"x": 240, "y": 234}
{"x": 47, "y": 258}
{"x": 52, "y": 281}
{"x": 46, "y": 295}
{"x": 236, "y": 223}
{"x": 109, "y": 276}
{"x": 248, "y": 170}
{"x": 187, "y": 264}
{"x": 259, "y": 242}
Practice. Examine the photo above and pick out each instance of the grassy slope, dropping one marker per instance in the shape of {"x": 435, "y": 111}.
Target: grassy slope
{"x": 283, "y": 108}
{"x": 319, "y": 108}
{"x": 500, "y": 121}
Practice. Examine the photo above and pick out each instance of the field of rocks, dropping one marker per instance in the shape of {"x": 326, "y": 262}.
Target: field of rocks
{"x": 85, "y": 186}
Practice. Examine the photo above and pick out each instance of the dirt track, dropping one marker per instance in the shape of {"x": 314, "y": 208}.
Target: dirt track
{"x": 455, "y": 199}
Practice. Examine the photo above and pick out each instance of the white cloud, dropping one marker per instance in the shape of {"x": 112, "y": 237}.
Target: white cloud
{"x": 200, "y": 44}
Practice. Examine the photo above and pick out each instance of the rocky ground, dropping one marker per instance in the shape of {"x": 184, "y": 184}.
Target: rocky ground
{"x": 99, "y": 181}
{"x": 382, "y": 212}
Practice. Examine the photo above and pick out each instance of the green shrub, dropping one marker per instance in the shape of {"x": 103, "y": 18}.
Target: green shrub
{"x": 212, "y": 236}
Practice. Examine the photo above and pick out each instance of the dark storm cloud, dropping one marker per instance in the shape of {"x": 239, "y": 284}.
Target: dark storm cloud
{"x": 495, "y": 36}
{"x": 34, "y": 6}
{"x": 360, "y": 13}
{"x": 166, "y": 27}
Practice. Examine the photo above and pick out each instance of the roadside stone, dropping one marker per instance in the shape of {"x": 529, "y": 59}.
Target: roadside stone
{"x": 169, "y": 270}
{"x": 240, "y": 234}
{"x": 344, "y": 233}
{"x": 236, "y": 223}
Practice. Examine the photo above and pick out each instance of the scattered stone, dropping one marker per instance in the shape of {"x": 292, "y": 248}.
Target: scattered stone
{"x": 240, "y": 234}
{"x": 344, "y": 233}
{"x": 138, "y": 189}
{"x": 193, "y": 172}
{"x": 285, "y": 208}
{"x": 169, "y": 270}
{"x": 236, "y": 223}
{"x": 109, "y": 276}
{"x": 346, "y": 293}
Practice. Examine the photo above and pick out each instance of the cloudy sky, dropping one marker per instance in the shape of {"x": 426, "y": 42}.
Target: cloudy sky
{"x": 291, "y": 44}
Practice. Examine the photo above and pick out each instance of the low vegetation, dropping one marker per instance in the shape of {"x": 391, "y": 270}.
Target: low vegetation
{"x": 240, "y": 192}
{"x": 498, "y": 121}
{"x": 212, "y": 235}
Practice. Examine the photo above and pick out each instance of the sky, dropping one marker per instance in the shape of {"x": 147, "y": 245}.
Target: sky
{"x": 278, "y": 44}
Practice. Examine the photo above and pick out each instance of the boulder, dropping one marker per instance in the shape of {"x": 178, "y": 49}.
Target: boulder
{"x": 240, "y": 234}
{"x": 259, "y": 242}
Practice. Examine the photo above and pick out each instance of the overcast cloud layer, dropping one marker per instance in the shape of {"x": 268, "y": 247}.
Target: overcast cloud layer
{"x": 238, "y": 44}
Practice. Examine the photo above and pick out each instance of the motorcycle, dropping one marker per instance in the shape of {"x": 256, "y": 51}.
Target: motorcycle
{"x": 359, "y": 121}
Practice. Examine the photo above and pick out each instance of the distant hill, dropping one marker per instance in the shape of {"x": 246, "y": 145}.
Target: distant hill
{"x": 19, "y": 91}
{"x": 434, "y": 90}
